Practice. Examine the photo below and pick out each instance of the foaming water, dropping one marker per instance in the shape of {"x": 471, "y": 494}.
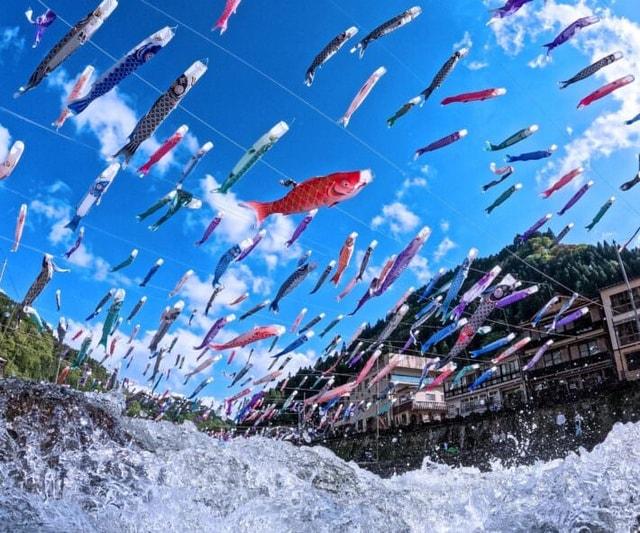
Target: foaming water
{"x": 79, "y": 466}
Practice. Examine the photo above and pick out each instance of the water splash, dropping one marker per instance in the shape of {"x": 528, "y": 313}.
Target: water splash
{"x": 71, "y": 463}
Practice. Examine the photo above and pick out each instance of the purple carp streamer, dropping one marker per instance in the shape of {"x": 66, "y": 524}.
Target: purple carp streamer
{"x": 301, "y": 227}
{"x": 41, "y": 22}
{"x": 215, "y": 222}
{"x": 535, "y": 227}
{"x": 510, "y": 8}
{"x": 441, "y": 143}
{"x": 574, "y": 199}
{"x": 386, "y": 28}
{"x": 570, "y": 31}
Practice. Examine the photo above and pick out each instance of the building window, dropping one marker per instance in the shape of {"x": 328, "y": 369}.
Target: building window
{"x": 627, "y": 333}
{"x": 621, "y": 303}
{"x": 588, "y": 348}
{"x": 633, "y": 361}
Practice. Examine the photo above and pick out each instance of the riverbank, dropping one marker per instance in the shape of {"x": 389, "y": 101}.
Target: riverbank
{"x": 511, "y": 437}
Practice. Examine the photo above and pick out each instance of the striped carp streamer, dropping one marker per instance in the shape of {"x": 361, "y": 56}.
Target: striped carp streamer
{"x": 362, "y": 94}
{"x": 605, "y": 207}
{"x": 20, "y": 221}
{"x": 74, "y": 38}
{"x": 605, "y": 90}
{"x": 441, "y": 143}
{"x": 503, "y": 197}
{"x": 11, "y": 161}
{"x": 592, "y": 69}
{"x": 386, "y": 28}
{"x": 476, "y": 96}
{"x": 322, "y": 191}
{"x": 564, "y": 180}
{"x": 404, "y": 109}
{"x": 41, "y": 23}
{"x": 161, "y": 109}
{"x": 78, "y": 90}
{"x": 94, "y": 195}
{"x": 128, "y": 64}
{"x": 570, "y": 31}
{"x": 574, "y": 199}
{"x": 513, "y": 139}
{"x": 253, "y": 155}
{"x": 293, "y": 281}
{"x": 444, "y": 71}
{"x": 230, "y": 8}
{"x": 328, "y": 52}
{"x": 168, "y": 145}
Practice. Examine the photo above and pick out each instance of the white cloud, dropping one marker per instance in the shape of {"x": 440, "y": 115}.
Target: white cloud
{"x": 465, "y": 42}
{"x": 540, "y": 62}
{"x": 398, "y": 217}
{"x": 420, "y": 268}
{"x": 604, "y": 135}
{"x": 5, "y": 139}
{"x": 409, "y": 183}
{"x": 477, "y": 65}
{"x": 58, "y": 213}
{"x": 444, "y": 225}
{"x": 445, "y": 246}
{"x": 9, "y": 39}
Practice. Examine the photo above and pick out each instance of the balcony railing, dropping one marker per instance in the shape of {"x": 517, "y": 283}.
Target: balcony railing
{"x": 419, "y": 405}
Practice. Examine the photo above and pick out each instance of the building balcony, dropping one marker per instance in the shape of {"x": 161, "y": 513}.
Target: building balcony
{"x": 580, "y": 365}
{"x": 419, "y": 406}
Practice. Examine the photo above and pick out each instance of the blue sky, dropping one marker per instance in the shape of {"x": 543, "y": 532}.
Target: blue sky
{"x": 255, "y": 79}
